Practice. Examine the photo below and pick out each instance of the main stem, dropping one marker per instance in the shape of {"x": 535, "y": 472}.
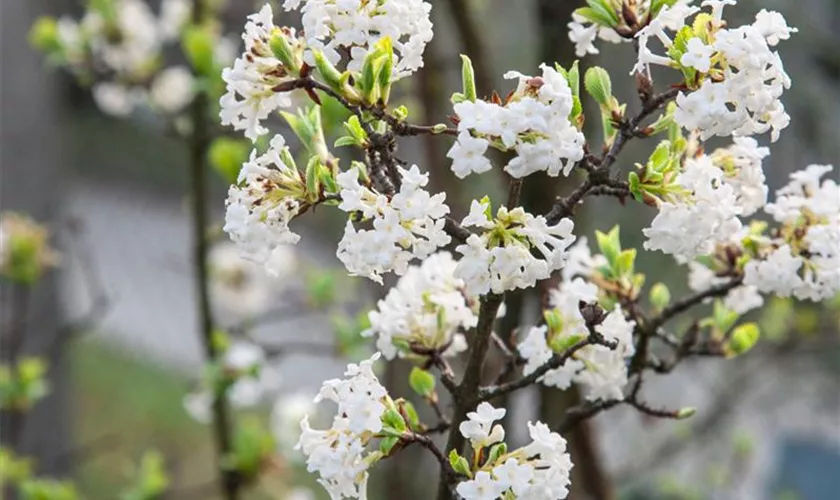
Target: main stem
{"x": 466, "y": 394}
{"x": 199, "y": 143}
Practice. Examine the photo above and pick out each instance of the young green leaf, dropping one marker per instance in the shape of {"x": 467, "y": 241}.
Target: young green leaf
{"x": 422, "y": 382}
{"x": 598, "y": 84}
{"x": 468, "y": 79}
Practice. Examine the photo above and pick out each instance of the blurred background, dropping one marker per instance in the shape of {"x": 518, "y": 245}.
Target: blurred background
{"x": 113, "y": 193}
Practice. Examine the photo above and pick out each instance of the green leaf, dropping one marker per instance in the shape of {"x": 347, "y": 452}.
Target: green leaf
{"x": 624, "y": 265}
{"x": 198, "y": 45}
{"x": 609, "y": 244}
{"x": 554, "y": 320}
{"x": 598, "y": 84}
{"x": 354, "y": 128}
{"x": 744, "y": 338}
{"x": 724, "y": 318}
{"x": 282, "y": 51}
{"x": 686, "y": 412}
{"x": 457, "y": 97}
{"x": 151, "y": 479}
{"x": 307, "y": 126}
{"x": 387, "y": 444}
{"x": 459, "y": 464}
{"x": 313, "y": 184}
{"x": 320, "y": 288}
{"x": 328, "y": 72}
{"x": 496, "y": 451}
{"x": 656, "y": 6}
{"x": 660, "y": 296}
{"x": 411, "y": 413}
{"x": 605, "y": 8}
{"x": 386, "y": 68}
{"x": 44, "y": 36}
{"x": 573, "y": 77}
{"x": 345, "y": 141}
{"x": 635, "y": 185}
{"x": 596, "y": 16}
{"x": 468, "y": 79}
{"x": 422, "y": 382}
{"x": 393, "y": 423}
{"x": 226, "y": 156}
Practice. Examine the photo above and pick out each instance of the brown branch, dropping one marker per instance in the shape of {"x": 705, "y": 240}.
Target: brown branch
{"x": 464, "y": 394}
{"x": 690, "y": 301}
{"x": 599, "y": 176}
{"x": 555, "y": 362}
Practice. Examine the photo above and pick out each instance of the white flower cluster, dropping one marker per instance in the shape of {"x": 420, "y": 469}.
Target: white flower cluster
{"x": 126, "y": 41}
{"x": 250, "y": 97}
{"x": 286, "y": 415}
{"x": 599, "y": 370}
{"x": 804, "y": 260}
{"x": 338, "y": 453}
{"x": 704, "y": 215}
{"x": 745, "y": 77}
{"x": 534, "y": 122}
{"x": 537, "y": 471}
{"x": 741, "y": 299}
{"x": 408, "y": 225}
{"x": 261, "y": 205}
{"x": 353, "y": 27}
{"x": 254, "y": 380}
{"x": 427, "y": 308}
{"x": 501, "y": 257}
{"x": 238, "y": 286}
{"x": 741, "y": 165}
{"x": 583, "y": 32}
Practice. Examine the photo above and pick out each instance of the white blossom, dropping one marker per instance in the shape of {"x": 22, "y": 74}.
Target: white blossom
{"x": 467, "y": 155}
{"x": 534, "y": 123}
{"x": 286, "y": 414}
{"x": 698, "y": 55}
{"x": 708, "y": 214}
{"x": 254, "y": 379}
{"x": 482, "y": 487}
{"x": 778, "y": 273}
{"x": 772, "y": 26}
{"x": 745, "y": 99}
{"x": 174, "y": 14}
{"x": 339, "y": 454}
{"x": 427, "y": 307}
{"x": 250, "y": 96}
{"x": 172, "y": 89}
{"x": 599, "y": 370}
{"x": 241, "y": 287}
{"x": 538, "y": 471}
{"x": 409, "y": 225}
{"x": 804, "y": 260}
{"x": 741, "y": 164}
{"x": 741, "y": 299}
{"x": 115, "y": 99}
{"x": 355, "y": 26}
{"x": 583, "y": 36}
{"x": 479, "y": 427}
{"x": 260, "y": 206}
{"x": 490, "y": 265}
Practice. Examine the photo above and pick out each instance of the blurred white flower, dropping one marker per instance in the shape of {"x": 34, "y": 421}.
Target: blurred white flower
{"x": 172, "y": 89}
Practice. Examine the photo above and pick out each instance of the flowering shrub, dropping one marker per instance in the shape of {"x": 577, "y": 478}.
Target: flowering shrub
{"x": 452, "y": 276}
